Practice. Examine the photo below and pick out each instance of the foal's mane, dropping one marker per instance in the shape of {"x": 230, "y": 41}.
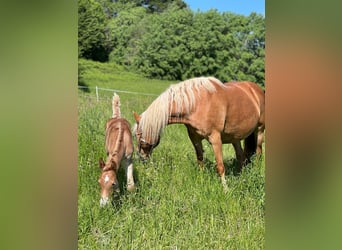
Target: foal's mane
{"x": 156, "y": 116}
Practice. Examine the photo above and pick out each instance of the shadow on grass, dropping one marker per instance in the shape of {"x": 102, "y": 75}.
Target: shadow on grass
{"x": 230, "y": 165}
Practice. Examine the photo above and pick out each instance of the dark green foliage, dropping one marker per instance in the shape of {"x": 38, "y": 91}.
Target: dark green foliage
{"x": 162, "y": 5}
{"x": 180, "y": 44}
{"x": 152, "y": 6}
{"x": 162, "y": 50}
{"x": 92, "y": 30}
{"x": 176, "y": 43}
{"x": 125, "y": 31}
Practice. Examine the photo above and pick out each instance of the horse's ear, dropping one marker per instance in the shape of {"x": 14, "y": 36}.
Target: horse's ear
{"x": 101, "y": 163}
{"x": 108, "y": 166}
{"x": 136, "y": 117}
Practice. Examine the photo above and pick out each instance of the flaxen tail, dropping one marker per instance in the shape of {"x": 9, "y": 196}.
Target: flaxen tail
{"x": 116, "y": 106}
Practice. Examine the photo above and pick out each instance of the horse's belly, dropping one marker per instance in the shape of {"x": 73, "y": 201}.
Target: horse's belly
{"x": 231, "y": 135}
{"x": 229, "y": 138}
{"x": 239, "y": 128}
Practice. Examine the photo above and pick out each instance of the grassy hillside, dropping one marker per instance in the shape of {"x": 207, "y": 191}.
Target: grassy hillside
{"x": 175, "y": 206}
{"x": 113, "y": 76}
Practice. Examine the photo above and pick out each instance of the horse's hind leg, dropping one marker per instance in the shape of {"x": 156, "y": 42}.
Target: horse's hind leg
{"x": 197, "y": 143}
{"x": 250, "y": 146}
{"x": 260, "y": 139}
{"x": 240, "y": 155}
{"x": 253, "y": 143}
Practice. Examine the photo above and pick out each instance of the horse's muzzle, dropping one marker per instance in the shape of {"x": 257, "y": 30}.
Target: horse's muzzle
{"x": 143, "y": 157}
{"x": 104, "y": 201}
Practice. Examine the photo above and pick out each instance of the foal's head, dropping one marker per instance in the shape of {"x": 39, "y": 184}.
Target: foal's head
{"x": 145, "y": 146}
{"x": 108, "y": 181}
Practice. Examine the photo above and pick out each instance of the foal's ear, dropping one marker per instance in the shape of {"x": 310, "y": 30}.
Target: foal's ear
{"x": 101, "y": 163}
{"x": 136, "y": 116}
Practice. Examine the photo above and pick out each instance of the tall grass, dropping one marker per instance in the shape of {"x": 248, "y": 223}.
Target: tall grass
{"x": 176, "y": 205}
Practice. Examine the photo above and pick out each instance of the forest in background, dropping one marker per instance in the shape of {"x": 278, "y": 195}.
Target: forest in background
{"x": 165, "y": 39}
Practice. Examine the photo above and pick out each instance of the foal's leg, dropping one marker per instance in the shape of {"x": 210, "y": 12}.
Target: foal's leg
{"x": 215, "y": 140}
{"x": 129, "y": 173}
{"x": 197, "y": 143}
{"x": 240, "y": 155}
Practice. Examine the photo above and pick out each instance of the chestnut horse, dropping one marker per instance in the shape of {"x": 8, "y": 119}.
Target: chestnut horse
{"x": 119, "y": 146}
{"x": 220, "y": 113}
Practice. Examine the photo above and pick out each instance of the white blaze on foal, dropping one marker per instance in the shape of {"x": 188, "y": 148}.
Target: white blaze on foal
{"x": 106, "y": 179}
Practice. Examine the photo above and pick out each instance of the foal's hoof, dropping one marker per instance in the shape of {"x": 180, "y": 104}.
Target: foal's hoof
{"x": 225, "y": 189}
{"x": 131, "y": 188}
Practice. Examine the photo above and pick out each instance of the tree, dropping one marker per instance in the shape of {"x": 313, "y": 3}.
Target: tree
{"x": 162, "y": 5}
{"x": 255, "y": 44}
{"x": 203, "y": 40}
{"x": 152, "y": 6}
{"x": 164, "y": 39}
{"x": 92, "y": 31}
{"x": 162, "y": 50}
{"x": 125, "y": 30}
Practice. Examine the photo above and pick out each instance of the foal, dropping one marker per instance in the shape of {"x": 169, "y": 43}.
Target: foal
{"x": 119, "y": 146}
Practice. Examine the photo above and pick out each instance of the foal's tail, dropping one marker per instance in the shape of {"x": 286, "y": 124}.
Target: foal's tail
{"x": 116, "y": 106}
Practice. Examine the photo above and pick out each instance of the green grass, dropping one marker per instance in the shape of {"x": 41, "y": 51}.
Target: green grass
{"x": 175, "y": 206}
{"x": 113, "y": 76}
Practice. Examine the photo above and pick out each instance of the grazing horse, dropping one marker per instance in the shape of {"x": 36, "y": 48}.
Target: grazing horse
{"x": 220, "y": 113}
{"x": 119, "y": 146}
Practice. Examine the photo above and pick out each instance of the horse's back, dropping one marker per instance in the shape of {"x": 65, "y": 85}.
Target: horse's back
{"x": 247, "y": 90}
{"x": 247, "y": 86}
{"x": 115, "y": 123}
{"x": 259, "y": 95}
{"x": 119, "y": 136}
{"x": 245, "y": 108}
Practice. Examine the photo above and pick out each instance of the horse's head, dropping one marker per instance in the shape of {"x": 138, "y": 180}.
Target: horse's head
{"x": 145, "y": 146}
{"x": 108, "y": 182}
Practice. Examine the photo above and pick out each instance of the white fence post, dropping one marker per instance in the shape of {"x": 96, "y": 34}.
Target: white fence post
{"x": 97, "y": 94}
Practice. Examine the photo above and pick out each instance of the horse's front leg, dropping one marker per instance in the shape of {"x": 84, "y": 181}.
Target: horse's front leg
{"x": 199, "y": 153}
{"x": 215, "y": 140}
{"x": 197, "y": 143}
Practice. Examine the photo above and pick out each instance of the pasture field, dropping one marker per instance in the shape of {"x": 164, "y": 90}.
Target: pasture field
{"x": 176, "y": 205}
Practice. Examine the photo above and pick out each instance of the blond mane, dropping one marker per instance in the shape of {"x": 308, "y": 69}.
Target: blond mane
{"x": 156, "y": 116}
